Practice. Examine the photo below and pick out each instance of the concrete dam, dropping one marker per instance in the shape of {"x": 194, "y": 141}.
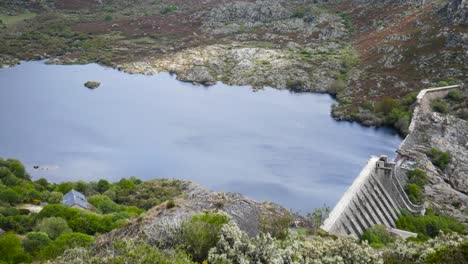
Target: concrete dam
{"x": 377, "y": 196}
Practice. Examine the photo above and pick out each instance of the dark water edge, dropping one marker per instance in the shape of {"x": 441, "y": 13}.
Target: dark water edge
{"x": 269, "y": 145}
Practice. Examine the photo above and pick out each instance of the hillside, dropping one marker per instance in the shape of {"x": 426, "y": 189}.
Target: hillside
{"x": 362, "y": 51}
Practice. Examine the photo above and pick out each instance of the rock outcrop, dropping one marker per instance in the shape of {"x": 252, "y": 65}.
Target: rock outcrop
{"x": 448, "y": 188}
{"x": 158, "y": 224}
{"x": 456, "y": 11}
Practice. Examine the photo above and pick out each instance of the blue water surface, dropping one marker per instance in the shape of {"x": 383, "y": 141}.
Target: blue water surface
{"x": 269, "y": 145}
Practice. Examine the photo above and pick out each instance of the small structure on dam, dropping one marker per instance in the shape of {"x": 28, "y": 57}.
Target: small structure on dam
{"x": 377, "y": 197}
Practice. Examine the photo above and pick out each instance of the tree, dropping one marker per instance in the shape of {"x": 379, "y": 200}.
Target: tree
{"x": 53, "y": 227}
{"x": 9, "y": 195}
{"x": 55, "y": 197}
{"x": 35, "y": 241}
{"x": 104, "y": 204}
{"x": 65, "y": 187}
{"x": 11, "y": 250}
{"x": 7, "y": 177}
{"x": 81, "y": 186}
{"x": 318, "y": 216}
{"x": 102, "y": 186}
{"x": 17, "y": 168}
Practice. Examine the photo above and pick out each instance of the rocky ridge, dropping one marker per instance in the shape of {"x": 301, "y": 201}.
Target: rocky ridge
{"x": 158, "y": 224}
{"x": 448, "y": 188}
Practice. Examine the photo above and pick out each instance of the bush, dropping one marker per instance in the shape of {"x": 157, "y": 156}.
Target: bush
{"x": 170, "y": 204}
{"x": 418, "y": 177}
{"x": 9, "y": 196}
{"x": 168, "y": 10}
{"x": 11, "y": 250}
{"x": 439, "y": 106}
{"x": 377, "y": 236}
{"x": 35, "y": 241}
{"x": 55, "y": 198}
{"x": 79, "y": 220}
{"x": 445, "y": 248}
{"x": 439, "y": 158}
{"x": 18, "y": 223}
{"x": 65, "y": 187}
{"x": 295, "y": 85}
{"x": 126, "y": 251}
{"x": 201, "y": 233}
{"x": 386, "y": 105}
{"x": 104, "y": 204}
{"x": 53, "y": 227}
{"x": 414, "y": 193}
{"x": 449, "y": 255}
{"x": 64, "y": 242}
{"x": 429, "y": 225}
{"x": 102, "y": 186}
{"x": 276, "y": 225}
{"x": 108, "y": 18}
{"x": 455, "y": 95}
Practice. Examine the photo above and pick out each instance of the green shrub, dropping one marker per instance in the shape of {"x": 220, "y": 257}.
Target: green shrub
{"x": 414, "y": 192}
{"x": 295, "y": 85}
{"x": 35, "y": 242}
{"x": 439, "y": 106}
{"x": 439, "y": 158}
{"x": 418, "y": 177}
{"x": 201, "y": 233}
{"x": 53, "y": 227}
{"x": 127, "y": 251}
{"x": 104, "y": 204}
{"x": 429, "y": 225}
{"x": 64, "y": 242}
{"x": 108, "y": 18}
{"x": 55, "y": 198}
{"x": 386, "y": 105}
{"x": 10, "y": 196}
{"x": 276, "y": 225}
{"x": 377, "y": 236}
{"x": 170, "y": 204}
{"x": 102, "y": 186}
{"x": 79, "y": 220}
{"x": 442, "y": 84}
{"x": 449, "y": 255}
{"x": 455, "y": 95}
{"x": 65, "y": 187}
{"x": 18, "y": 223}
{"x": 11, "y": 250}
{"x": 168, "y": 10}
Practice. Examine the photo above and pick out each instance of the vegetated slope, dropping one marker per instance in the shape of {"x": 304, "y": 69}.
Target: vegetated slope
{"x": 363, "y": 51}
{"x": 438, "y": 145}
{"x": 158, "y": 224}
{"x": 404, "y": 46}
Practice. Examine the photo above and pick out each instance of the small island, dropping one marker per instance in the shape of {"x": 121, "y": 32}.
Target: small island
{"x": 92, "y": 84}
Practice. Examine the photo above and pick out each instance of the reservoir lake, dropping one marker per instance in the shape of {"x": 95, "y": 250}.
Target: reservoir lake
{"x": 268, "y": 145}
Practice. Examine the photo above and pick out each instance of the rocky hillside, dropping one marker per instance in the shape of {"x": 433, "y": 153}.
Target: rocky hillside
{"x": 159, "y": 224}
{"x": 444, "y": 132}
{"x": 362, "y": 51}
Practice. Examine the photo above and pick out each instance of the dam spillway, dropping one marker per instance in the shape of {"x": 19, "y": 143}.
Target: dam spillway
{"x": 376, "y": 197}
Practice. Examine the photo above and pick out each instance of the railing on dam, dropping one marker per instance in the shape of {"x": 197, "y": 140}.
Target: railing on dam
{"x": 377, "y": 197}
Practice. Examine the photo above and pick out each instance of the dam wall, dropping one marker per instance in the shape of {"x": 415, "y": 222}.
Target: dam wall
{"x": 377, "y": 196}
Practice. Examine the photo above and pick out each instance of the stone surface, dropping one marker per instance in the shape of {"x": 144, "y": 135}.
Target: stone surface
{"x": 159, "y": 222}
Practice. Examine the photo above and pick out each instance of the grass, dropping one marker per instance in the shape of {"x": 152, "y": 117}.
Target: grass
{"x": 12, "y": 20}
